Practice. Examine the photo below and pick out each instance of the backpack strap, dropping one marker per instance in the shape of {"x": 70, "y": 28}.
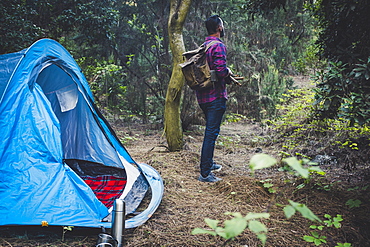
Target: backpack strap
{"x": 211, "y": 43}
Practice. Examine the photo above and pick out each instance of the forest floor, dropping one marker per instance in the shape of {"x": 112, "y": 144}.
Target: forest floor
{"x": 187, "y": 202}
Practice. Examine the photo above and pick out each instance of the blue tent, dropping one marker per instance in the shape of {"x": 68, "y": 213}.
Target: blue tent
{"x": 60, "y": 161}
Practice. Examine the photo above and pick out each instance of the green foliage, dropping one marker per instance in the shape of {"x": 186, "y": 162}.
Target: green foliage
{"x": 66, "y": 229}
{"x": 297, "y": 167}
{"x": 333, "y": 221}
{"x": 343, "y": 92}
{"x": 261, "y": 47}
{"x": 227, "y": 141}
{"x": 299, "y": 127}
{"x": 353, "y": 203}
{"x": 358, "y": 188}
{"x": 343, "y": 87}
{"x": 266, "y": 183}
{"x": 272, "y": 86}
{"x": 315, "y": 238}
{"x": 291, "y": 209}
{"x": 16, "y": 31}
{"x": 330, "y": 221}
{"x": 343, "y": 36}
{"x": 261, "y": 6}
{"x": 309, "y": 60}
{"x": 86, "y": 22}
{"x": 260, "y": 161}
{"x": 294, "y": 107}
{"x": 236, "y": 226}
{"x": 134, "y": 35}
{"x": 344, "y": 245}
{"x": 234, "y": 117}
{"x": 280, "y": 28}
{"x": 129, "y": 35}
{"x": 107, "y": 82}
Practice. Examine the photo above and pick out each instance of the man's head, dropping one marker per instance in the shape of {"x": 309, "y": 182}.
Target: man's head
{"x": 214, "y": 24}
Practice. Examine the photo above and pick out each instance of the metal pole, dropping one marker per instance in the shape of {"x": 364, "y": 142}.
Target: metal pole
{"x": 118, "y": 221}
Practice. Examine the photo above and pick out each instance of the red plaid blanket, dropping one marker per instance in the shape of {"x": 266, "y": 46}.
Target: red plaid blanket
{"x": 107, "y": 188}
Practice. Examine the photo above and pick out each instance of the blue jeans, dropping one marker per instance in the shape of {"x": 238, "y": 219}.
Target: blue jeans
{"x": 213, "y": 112}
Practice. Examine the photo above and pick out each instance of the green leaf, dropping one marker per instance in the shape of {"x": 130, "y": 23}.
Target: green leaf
{"x": 328, "y": 216}
{"x": 221, "y": 232}
{"x": 271, "y": 190}
{"x": 252, "y": 216}
{"x": 337, "y": 221}
{"x": 68, "y": 228}
{"x": 211, "y": 223}
{"x": 316, "y": 169}
{"x": 315, "y": 234}
{"x": 260, "y": 161}
{"x": 294, "y": 163}
{"x": 308, "y": 238}
{"x": 268, "y": 185}
{"x": 353, "y": 203}
{"x": 319, "y": 241}
{"x": 203, "y": 231}
{"x": 262, "y": 237}
{"x": 300, "y": 186}
{"x": 344, "y": 245}
{"x": 304, "y": 210}
{"x": 256, "y": 226}
{"x": 234, "y": 227}
{"x": 289, "y": 211}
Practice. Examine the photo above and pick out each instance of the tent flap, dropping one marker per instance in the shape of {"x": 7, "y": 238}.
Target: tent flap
{"x": 68, "y": 98}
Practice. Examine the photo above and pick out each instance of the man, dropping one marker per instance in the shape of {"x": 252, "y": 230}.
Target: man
{"x": 212, "y": 100}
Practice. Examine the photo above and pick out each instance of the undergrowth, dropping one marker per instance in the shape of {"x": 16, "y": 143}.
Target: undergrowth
{"x": 301, "y": 133}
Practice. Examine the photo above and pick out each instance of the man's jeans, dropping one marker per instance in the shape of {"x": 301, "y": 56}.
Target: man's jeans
{"x": 214, "y": 112}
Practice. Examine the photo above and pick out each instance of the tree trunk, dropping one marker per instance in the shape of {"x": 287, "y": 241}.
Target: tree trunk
{"x": 174, "y": 135}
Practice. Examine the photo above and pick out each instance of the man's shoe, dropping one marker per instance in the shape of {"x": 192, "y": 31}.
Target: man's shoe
{"x": 210, "y": 178}
{"x": 216, "y": 167}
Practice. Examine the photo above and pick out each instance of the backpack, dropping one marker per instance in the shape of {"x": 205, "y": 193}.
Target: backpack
{"x": 196, "y": 70}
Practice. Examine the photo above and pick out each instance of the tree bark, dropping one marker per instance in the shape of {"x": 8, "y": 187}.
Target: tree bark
{"x": 173, "y": 129}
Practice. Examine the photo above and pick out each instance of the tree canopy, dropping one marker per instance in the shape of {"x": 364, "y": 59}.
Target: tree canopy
{"x": 123, "y": 49}
{"x": 344, "y": 89}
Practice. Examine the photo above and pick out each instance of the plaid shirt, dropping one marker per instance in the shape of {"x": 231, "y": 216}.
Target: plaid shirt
{"x": 216, "y": 58}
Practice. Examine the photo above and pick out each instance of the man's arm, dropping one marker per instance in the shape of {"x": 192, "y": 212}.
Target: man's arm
{"x": 219, "y": 61}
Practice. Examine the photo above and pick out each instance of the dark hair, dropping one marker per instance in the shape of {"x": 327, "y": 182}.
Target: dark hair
{"x": 212, "y": 23}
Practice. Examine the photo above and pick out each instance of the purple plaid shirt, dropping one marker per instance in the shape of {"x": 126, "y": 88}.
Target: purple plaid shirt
{"x": 216, "y": 58}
